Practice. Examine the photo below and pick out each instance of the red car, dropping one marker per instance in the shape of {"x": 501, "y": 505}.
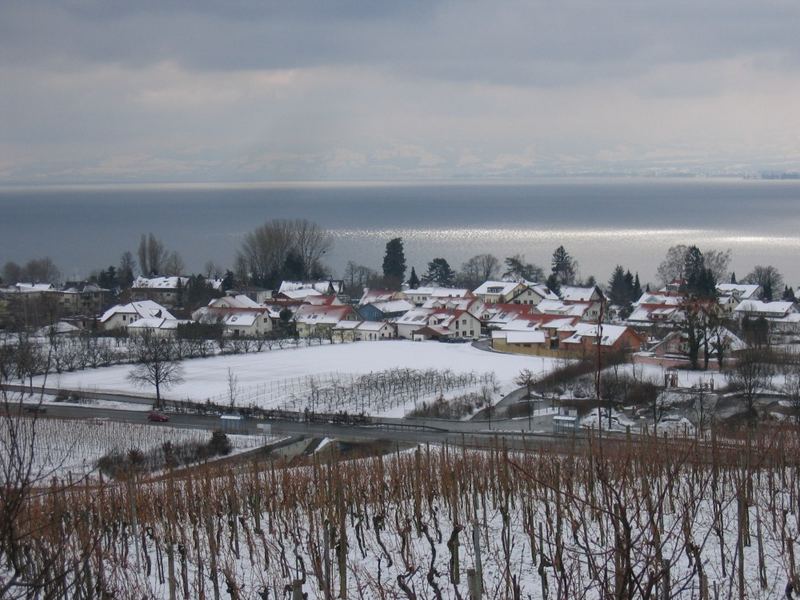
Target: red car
{"x": 157, "y": 417}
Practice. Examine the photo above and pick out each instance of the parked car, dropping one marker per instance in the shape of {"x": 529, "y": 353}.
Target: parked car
{"x": 36, "y": 408}
{"x": 157, "y": 417}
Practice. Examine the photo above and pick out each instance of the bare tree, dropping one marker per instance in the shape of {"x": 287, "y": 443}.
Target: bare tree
{"x": 750, "y": 376}
{"x": 264, "y": 251}
{"x": 127, "y": 267}
{"x": 311, "y": 242}
{"x": 152, "y": 255}
{"x": 173, "y": 265}
{"x": 156, "y": 364}
{"x": 233, "y": 387}
{"x": 526, "y": 379}
{"x": 769, "y": 278}
{"x": 479, "y": 268}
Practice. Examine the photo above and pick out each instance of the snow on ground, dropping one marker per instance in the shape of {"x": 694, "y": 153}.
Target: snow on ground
{"x": 62, "y": 446}
{"x": 208, "y": 377}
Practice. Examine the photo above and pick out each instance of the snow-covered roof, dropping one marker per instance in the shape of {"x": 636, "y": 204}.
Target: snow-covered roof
{"x": 234, "y": 301}
{"x": 610, "y": 333}
{"x": 557, "y": 307}
{"x": 417, "y": 316}
{"x": 577, "y": 294}
{"x": 393, "y": 306}
{"x": 496, "y": 288}
{"x": 156, "y": 323}
{"x": 439, "y": 292}
{"x": 525, "y": 337}
{"x": 666, "y": 300}
{"x": 167, "y": 283}
{"x": 372, "y": 325}
{"x": 301, "y": 293}
{"x": 771, "y": 309}
{"x": 30, "y": 288}
{"x": 328, "y": 315}
{"x": 144, "y": 308}
{"x": 59, "y": 328}
{"x": 541, "y": 289}
{"x": 347, "y": 325}
{"x": 370, "y": 296}
{"x": 744, "y": 291}
{"x": 322, "y": 286}
{"x": 241, "y": 319}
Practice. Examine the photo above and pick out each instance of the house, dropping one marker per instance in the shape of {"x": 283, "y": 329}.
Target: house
{"x": 590, "y": 297}
{"x": 320, "y": 320}
{"x": 731, "y": 294}
{"x": 441, "y": 321}
{"x": 565, "y": 338}
{"x": 83, "y": 298}
{"x": 122, "y": 315}
{"x": 783, "y": 317}
{"x": 157, "y": 326}
{"x": 164, "y": 290}
{"x": 673, "y": 350}
{"x": 561, "y": 308}
{"x": 613, "y": 338}
{"x": 357, "y": 331}
{"x": 323, "y": 286}
{"x": 239, "y": 315}
{"x": 657, "y": 309}
{"x": 513, "y": 292}
{"x": 379, "y": 311}
{"x": 420, "y": 295}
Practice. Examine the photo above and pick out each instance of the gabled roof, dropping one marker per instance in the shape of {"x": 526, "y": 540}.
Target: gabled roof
{"x": 167, "y": 283}
{"x": 156, "y": 323}
{"x": 392, "y": 306}
{"x": 145, "y": 309}
{"x": 577, "y": 294}
{"x": 494, "y": 287}
{"x": 610, "y": 333}
{"x": 309, "y": 314}
{"x": 234, "y": 301}
{"x": 439, "y": 292}
{"x": 370, "y": 296}
{"x": 744, "y": 291}
{"x": 323, "y": 286}
{"x": 776, "y": 309}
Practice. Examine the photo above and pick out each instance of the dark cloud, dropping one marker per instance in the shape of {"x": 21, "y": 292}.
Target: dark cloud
{"x": 527, "y": 43}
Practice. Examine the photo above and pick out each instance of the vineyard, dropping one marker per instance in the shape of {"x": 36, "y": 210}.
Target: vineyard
{"x": 650, "y": 518}
{"x": 393, "y": 391}
{"x": 65, "y": 446}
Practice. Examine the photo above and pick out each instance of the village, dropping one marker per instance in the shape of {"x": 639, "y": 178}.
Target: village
{"x": 508, "y": 315}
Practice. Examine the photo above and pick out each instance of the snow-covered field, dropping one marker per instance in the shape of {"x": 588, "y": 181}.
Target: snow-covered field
{"x": 278, "y": 379}
{"x": 208, "y": 378}
{"x": 62, "y": 446}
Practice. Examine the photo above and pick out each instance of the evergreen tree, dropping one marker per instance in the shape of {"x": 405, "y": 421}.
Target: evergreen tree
{"x": 394, "y": 263}
{"x": 628, "y": 287}
{"x": 554, "y": 284}
{"x": 617, "y": 292}
{"x": 228, "y": 281}
{"x": 564, "y": 266}
{"x": 733, "y": 277}
{"x": 788, "y": 295}
{"x": 637, "y": 288}
{"x": 413, "y": 281}
{"x": 440, "y": 273}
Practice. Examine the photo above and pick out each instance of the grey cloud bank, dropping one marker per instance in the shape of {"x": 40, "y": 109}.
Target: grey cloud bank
{"x": 238, "y": 91}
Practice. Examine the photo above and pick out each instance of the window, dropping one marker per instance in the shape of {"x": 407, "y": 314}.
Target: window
{"x": 472, "y": 333}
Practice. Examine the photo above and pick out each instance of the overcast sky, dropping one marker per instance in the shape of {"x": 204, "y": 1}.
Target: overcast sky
{"x": 239, "y": 90}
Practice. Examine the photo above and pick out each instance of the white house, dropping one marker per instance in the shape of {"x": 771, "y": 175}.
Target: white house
{"x": 782, "y": 316}
{"x": 122, "y": 315}
{"x": 444, "y": 322}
